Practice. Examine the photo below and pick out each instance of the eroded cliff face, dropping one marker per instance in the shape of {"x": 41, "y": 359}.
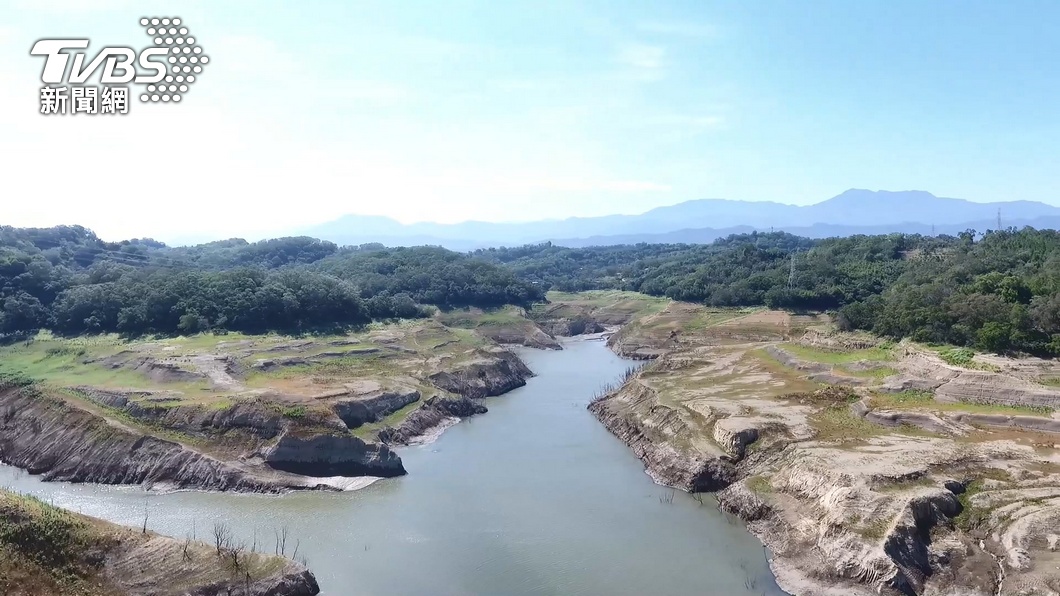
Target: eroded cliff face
{"x": 436, "y": 413}
{"x": 526, "y": 334}
{"x": 251, "y": 443}
{"x": 327, "y": 455}
{"x": 48, "y": 436}
{"x": 651, "y": 429}
{"x": 375, "y": 406}
{"x": 826, "y": 513}
{"x": 493, "y": 372}
{"x": 933, "y": 495}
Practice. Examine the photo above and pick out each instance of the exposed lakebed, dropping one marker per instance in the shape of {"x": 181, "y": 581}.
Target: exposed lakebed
{"x": 535, "y": 497}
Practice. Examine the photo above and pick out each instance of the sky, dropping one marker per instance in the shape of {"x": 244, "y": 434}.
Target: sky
{"x": 429, "y": 110}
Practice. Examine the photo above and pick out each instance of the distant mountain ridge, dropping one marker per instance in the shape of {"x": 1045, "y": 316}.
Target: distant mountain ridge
{"x": 855, "y": 211}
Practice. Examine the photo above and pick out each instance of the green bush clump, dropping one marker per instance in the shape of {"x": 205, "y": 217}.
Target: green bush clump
{"x": 957, "y": 356}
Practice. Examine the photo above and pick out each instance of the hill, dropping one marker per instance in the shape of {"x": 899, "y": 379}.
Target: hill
{"x": 853, "y": 212}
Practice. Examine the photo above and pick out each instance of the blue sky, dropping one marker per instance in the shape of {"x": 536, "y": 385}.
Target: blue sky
{"x": 508, "y": 110}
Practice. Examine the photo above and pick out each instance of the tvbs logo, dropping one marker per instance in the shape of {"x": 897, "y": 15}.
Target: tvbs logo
{"x": 167, "y": 69}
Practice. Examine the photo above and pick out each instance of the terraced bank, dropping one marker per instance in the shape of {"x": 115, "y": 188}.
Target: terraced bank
{"x": 242, "y": 413}
{"x": 866, "y": 467}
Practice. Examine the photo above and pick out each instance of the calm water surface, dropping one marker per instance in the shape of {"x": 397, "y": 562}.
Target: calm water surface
{"x": 535, "y": 497}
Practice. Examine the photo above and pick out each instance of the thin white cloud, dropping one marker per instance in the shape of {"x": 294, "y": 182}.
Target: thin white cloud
{"x": 642, "y": 56}
{"x": 705, "y": 122}
{"x": 369, "y": 91}
{"x": 264, "y": 69}
{"x": 679, "y": 29}
{"x": 642, "y": 62}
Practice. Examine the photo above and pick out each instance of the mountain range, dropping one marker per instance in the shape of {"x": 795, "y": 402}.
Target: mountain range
{"x": 855, "y": 211}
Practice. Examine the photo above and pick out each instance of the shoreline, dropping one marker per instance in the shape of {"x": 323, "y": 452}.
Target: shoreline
{"x": 845, "y": 500}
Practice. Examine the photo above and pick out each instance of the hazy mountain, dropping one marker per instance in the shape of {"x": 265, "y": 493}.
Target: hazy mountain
{"x": 853, "y": 212}
{"x": 706, "y": 235}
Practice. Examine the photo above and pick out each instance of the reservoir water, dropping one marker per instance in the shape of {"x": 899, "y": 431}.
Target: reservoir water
{"x": 533, "y": 498}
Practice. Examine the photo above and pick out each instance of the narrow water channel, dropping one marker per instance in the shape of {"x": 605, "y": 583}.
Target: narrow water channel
{"x": 533, "y": 498}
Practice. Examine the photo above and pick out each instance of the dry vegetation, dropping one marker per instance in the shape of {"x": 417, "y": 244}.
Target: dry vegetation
{"x": 46, "y": 551}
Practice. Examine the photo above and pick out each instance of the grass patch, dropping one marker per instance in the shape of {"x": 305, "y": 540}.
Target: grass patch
{"x": 48, "y": 548}
{"x": 957, "y": 356}
{"x": 1050, "y": 382}
{"x": 347, "y": 366}
{"x": 907, "y": 397}
{"x": 971, "y": 519}
{"x": 295, "y": 412}
{"x": 880, "y": 353}
{"x": 874, "y": 530}
{"x": 60, "y": 363}
{"x": 913, "y": 398}
{"x": 760, "y": 485}
{"x": 712, "y": 316}
{"x": 80, "y": 361}
{"x": 840, "y": 423}
{"x": 963, "y": 357}
{"x": 874, "y": 373}
{"x": 370, "y": 431}
{"x": 835, "y": 419}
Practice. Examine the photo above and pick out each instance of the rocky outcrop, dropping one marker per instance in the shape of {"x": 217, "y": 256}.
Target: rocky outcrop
{"x": 527, "y": 334}
{"x": 327, "y": 455}
{"x": 570, "y": 327}
{"x": 735, "y": 434}
{"x": 494, "y": 372}
{"x": 922, "y": 370}
{"x": 434, "y": 413}
{"x": 972, "y": 386}
{"x": 358, "y": 410}
{"x": 635, "y": 416}
{"x": 928, "y": 421}
{"x": 853, "y": 511}
{"x": 46, "y": 436}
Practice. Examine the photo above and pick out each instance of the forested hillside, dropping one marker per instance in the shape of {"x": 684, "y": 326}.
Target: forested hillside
{"x": 68, "y": 280}
{"x": 998, "y": 292}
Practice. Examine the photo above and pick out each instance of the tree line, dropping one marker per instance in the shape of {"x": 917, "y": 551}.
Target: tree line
{"x": 68, "y": 280}
{"x": 998, "y": 291}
